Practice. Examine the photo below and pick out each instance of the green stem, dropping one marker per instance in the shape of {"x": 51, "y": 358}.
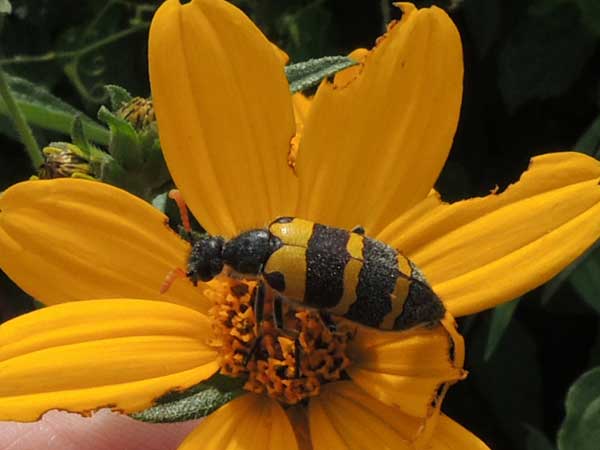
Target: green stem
{"x": 51, "y": 56}
{"x": 98, "y": 17}
{"x": 20, "y": 123}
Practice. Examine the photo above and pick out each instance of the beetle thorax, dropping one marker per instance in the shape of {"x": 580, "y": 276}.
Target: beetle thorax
{"x": 248, "y": 252}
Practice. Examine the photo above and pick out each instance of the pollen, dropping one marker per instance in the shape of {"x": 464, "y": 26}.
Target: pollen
{"x": 289, "y": 361}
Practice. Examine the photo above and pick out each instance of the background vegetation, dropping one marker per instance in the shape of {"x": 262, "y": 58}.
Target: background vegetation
{"x": 532, "y": 69}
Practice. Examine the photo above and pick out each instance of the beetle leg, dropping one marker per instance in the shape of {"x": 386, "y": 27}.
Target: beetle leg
{"x": 259, "y": 306}
{"x": 278, "y": 312}
{"x": 297, "y": 357}
{"x": 259, "y": 310}
{"x": 327, "y": 321}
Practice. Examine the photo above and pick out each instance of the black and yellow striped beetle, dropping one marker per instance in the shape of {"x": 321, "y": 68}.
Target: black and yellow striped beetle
{"x": 340, "y": 272}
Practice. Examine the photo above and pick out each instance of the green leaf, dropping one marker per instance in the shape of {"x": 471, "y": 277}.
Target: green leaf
{"x": 536, "y": 440}
{"x": 590, "y": 10}
{"x": 551, "y": 288}
{"x": 594, "y": 350}
{"x": 581, "y": 427}
{"x": 544, "y": 55}
{"x": 194, "y": 403}
{"x": 306, "y": 28}
{"x": 512, "y": 372}
{"x": 124, "y": 143}
{"x": 44, "y": 110}
{"x": 154, "y": 172}
{"x": 585, "y": 279}
{"x": 501, "y": 316}
{"x": 78, "y": 135}
{"x": 160, "y": 201}
{"x": 5, "y": 7}
{"x": 309, "y": 73}
{"x": 589, "y": 142}
{"x": 483, "y": 20}
{"x": 118, "y": 96}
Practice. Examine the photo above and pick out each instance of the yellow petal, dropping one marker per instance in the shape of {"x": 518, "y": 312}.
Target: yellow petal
{"x": 346, "y": 76}
{"x": 408, "y": 369}
{"x": 69, "y": 239}
{"x": 281, "y": 54}
{"x": 249, "y": 422}
{"x": 224, "y": 114}
{"x": 82, "y": 356}
{"x": 448, "y": 435}
{"x": 301, "y": 109}
{"x": 344, "y": 417}
{"x": 481, "y": 252}
{"x": 374, "y": 147}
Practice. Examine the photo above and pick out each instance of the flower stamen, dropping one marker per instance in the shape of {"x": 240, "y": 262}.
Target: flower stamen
{"x": 288, "y": 363}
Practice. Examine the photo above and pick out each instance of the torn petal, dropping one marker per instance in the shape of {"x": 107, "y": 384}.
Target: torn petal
{"x": 481, "y": 252}
{"x": 408, "y": 369}
{"x": 83, "y": 356}
{"x": 376, "y": 139}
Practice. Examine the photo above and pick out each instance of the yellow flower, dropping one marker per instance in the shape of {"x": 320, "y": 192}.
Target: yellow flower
{"x": 371, "y": 147}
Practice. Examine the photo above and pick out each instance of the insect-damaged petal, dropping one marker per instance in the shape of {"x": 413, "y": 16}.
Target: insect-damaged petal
{"x": 224, "y": 114}
{"x": 249, "y": 422}
{"x": 116, "y": 353}
{"x": 68, "y": 239}
{"x": 376, "y": 142}
{"x": 345, "y": 417}
{"x": 480, "y": 252}
{"x": 408, "y": 369}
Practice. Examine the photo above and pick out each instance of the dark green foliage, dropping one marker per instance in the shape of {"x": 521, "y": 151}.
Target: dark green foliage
{"x": 501, "y": 317}
{"x": 45, "y": 110}
{"x": 483, "y": 19}
{"x": 581, "y": 428}
{"x": 544, "y": 54}
{"x": 505, "y": 390}
{"x": 590, "y": 11}
{"x": 536, "y": 440}
{"x": 5, "y": 7}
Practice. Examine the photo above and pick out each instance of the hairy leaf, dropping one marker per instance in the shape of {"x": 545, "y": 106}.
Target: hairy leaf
{"x": 194, "y": 403}
{"x": 44, "y": 110}
{"x": 309, "y": 73}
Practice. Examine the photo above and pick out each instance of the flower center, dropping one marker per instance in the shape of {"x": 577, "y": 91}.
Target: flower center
{"x": 288, "y": 362}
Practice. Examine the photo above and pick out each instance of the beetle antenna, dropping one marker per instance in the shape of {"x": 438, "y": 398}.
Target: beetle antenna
{"x": 176, "y": 196}
{"x": 170, "y": 279}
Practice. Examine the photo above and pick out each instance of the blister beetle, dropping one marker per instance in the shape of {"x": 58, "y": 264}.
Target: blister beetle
{"x": 341, "y": 272}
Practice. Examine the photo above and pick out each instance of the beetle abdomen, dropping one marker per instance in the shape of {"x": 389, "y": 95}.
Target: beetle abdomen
{"x": 349, "y": 275}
